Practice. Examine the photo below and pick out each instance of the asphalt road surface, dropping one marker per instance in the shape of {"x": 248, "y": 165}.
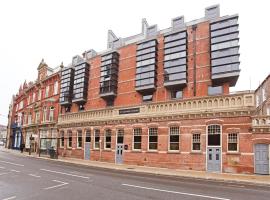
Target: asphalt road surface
{"x": 33, "y": 179}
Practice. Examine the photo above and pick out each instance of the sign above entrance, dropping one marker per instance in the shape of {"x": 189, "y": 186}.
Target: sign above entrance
{"x": 129, "y": 111}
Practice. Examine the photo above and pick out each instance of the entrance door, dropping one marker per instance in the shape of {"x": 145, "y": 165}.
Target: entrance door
{"x": 87, "y": 144}
{"x": 214, "y": 159}
{"x": 87, "y": 150}
{"x": 261, "y": 158}
{"x": 119, "y": 154}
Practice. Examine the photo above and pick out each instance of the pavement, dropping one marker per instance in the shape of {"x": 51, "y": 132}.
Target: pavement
{"x": 26, "y": 177}
{"x": 230, "y": 177}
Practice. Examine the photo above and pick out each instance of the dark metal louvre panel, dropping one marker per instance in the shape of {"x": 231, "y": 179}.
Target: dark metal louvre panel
{"x": 146, "y": 66}
{"x": 225, "y": 50}
{"x": 109, "y": 75}
{"x": 175, "y": 59}
{"x": 81, "y": 77}
{"x": 66, "y": 87}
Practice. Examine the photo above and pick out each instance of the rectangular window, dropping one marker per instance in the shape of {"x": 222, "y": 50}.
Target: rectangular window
{"x": 88, "y": 136}
{"x": 177, "y": 94}
{"x": 55, "y": 88}
{"x": 69, "y": 144}
{"x": 196, "y": 142}
{"x": 47, "y": 91}
{"x": 153, "y": 139}
{"x": 44, "y": 114}
{"x": 97, "y": 138}
{"x": 233, "y": 142}
{"x": 137, "y": 139}
{"x": 79, "y": 139}
{"x": 34, "y": 97}
{"x": 108, "y": 139}
{"x": 37, "y": 117}
{"x": 174, "y": 139}
{"x": 263, "y": 95}
{"x": 147, "y": 98}
{"x": 62, "y": 142}
{"x": 39, "y": 94}
{"x": 51, "y": 116}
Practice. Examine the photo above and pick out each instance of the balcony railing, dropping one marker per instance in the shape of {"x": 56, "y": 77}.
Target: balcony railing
{"x": 225, "y": 103}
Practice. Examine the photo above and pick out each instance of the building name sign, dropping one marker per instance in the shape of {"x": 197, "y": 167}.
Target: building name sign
{"x": 129, "y": 111}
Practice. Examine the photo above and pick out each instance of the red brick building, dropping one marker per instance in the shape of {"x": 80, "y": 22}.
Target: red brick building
{"x": 261, "y": 128}
{"x": 35, "y": 111}
{"x": 161, "y": 98}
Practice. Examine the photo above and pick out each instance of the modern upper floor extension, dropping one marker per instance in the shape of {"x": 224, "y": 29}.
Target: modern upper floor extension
{"x": 187, "y": 60}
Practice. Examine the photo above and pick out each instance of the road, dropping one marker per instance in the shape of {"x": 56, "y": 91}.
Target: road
{"x": 37, "y": 179}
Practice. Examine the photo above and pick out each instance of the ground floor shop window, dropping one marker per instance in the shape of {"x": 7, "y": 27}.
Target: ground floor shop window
{"x": 137, "y": 139}
{"x": 43, "y": 139}
{"x": 153, "y": 139}
{"x": 174, "y": 139}
{"x": 69, "y": 143}
{"x": 79, "y": 139}
{"x": 97, "y": 138}
{"x": 233, "y": 142}
{"x": 196, "y": 142}
{"x": 62, "y": 138}
{"x": 108, "y": 138}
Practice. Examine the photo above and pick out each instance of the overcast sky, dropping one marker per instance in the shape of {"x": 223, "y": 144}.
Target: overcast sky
{"x": 57, "y": 30}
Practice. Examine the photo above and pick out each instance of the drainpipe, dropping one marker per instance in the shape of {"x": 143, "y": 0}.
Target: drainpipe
{"x": 194, "y": 27}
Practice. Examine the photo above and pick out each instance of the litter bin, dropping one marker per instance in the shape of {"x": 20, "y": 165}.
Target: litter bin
{"x": 52, "y": 153}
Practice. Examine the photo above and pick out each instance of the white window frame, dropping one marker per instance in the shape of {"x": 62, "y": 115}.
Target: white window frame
{"x": 79, "y": 132}
{"x": 105, "y": 139}
{"x": 51, "y": 114}
{"x": 263, "y": 95}
{"x": 149, "y": 139}
{"x": 33, "y": 97}
{"x": 47, "y": 90}
{"x": 62, "y": 136}
{"x": 95, "y": 133}
{"x": 68, "y": 137}
{"x": 173, "y": 134}
{"x": 137, "y": 134}
{"x": 39, "y": 94}
{"x": 237, "y": 143}
{"x": 44, "y": 114}
{"x": 55, "y": 88}
{"x": 196, "y": 141}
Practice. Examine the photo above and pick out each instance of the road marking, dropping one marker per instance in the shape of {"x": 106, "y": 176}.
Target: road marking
{"x": 4, "y": 173}
{"x": 13, "y": 170}
{"x": 36, "y": 176}
{"x": 175, "y": 192}
{"x": 12, "y": 163}
{"x": 55, "y": 186}
{"x": 13, "y": 197}
{"x": 85, "y": 177}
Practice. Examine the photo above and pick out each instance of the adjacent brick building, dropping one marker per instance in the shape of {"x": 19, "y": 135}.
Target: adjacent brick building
{"x": 159, "y": 98}
{"x": 35, "y": 111}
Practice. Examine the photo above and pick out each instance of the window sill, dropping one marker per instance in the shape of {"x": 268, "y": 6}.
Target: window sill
{"x": 79, "y": 148}
{"x": 96, "y": 149}
{"x": 233, "y": 153}
{"x": 196, "y": 152}
{"x": 173, "y": 152}
{"x": 152, "y": 151}
{"x": 136, "y": 151}
{"x": 107, "y": 150}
